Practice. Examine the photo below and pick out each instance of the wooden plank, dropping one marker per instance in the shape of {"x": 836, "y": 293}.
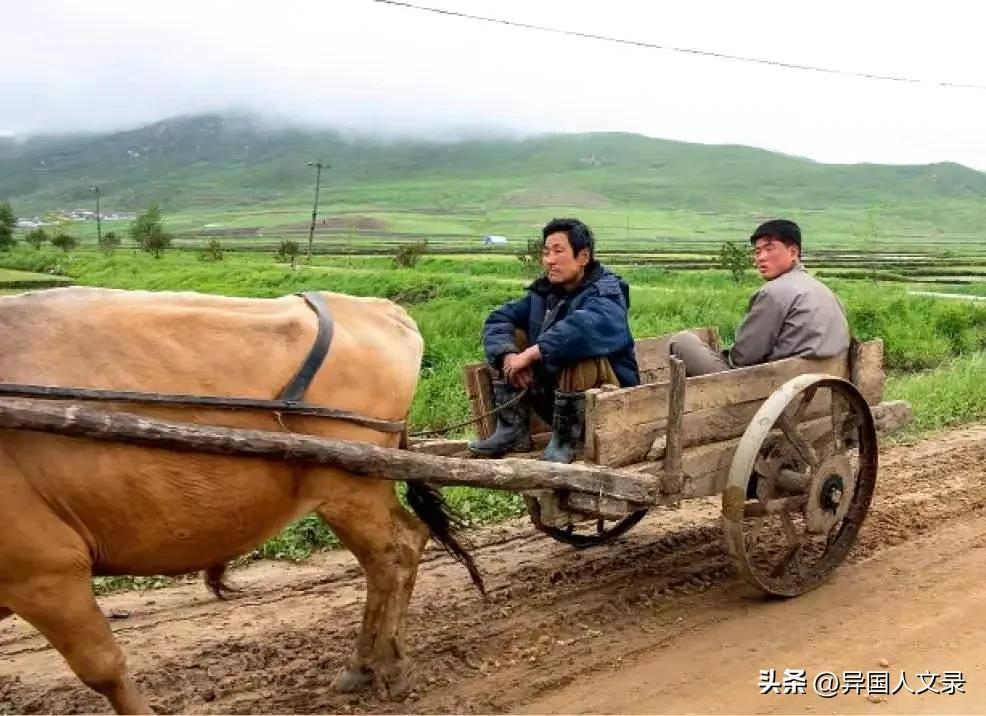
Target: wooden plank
{"x": 627, "y": 421}
{"x": 479, "y": 389}
{"x": 513, "y": 474}
{"x": 646, "y": 441}
{"x": 640, "y": 442}
{"x": 652, "y": 353}
{"x": 589, "y": 449}
{"x": 590, "y": 424}
{"x": 648, "y": 402}
{"x": 478, "y": 379}
{"x": 552, "y": 513}
{"x": 595, "y": 506}
{"x": 866, "y": 370}
{"x": 706, "y": 467}
{"x": 671, "y": 480}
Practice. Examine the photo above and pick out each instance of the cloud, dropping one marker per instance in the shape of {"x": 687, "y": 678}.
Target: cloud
{"x": 361, "y": 66}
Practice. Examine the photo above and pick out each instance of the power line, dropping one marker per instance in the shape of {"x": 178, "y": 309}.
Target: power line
{"x": 682, "y": 50}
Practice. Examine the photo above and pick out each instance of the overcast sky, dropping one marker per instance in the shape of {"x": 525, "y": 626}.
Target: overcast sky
{"x": 355, "y": 64}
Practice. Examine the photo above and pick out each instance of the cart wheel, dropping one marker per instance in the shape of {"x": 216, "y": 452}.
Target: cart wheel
{"x": 800, "y": 485}
{"x": 599, "y": 531}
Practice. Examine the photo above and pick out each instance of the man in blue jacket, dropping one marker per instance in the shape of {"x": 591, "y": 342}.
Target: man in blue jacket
{"x": 568, "y": 334}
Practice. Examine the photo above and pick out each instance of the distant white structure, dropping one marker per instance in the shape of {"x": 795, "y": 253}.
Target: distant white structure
{"x": 494, "y": 240}
{"x": 86, "y": 215}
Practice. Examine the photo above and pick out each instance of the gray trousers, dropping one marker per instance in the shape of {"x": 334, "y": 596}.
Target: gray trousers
{"x": 698, "y": 356}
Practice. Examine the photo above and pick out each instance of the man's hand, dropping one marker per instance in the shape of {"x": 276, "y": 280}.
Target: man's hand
{"x": 517, "y": 367}
{"x": 522, "y": 378}
{"x": 517, "y": 373}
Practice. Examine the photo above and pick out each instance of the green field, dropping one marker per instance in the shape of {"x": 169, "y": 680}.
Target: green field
{"x": 450, "y": 297}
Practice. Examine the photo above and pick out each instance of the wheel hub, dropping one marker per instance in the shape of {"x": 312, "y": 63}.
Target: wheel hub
{"x": 829, "y": 495}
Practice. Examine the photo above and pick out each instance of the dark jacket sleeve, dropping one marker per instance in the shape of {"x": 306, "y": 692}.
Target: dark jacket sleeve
{"x": 598, "y": 327}
{"x": 498, "y": 330}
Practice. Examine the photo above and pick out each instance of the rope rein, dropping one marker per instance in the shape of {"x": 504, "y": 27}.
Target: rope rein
{"x": 445, "y": 429}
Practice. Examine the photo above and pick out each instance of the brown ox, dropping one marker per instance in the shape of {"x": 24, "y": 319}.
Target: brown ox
{"x": 73, "y": 508}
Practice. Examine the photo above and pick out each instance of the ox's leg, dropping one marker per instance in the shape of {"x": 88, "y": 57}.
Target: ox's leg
{"x": 63, "y": 609}
{"x": 388, "y": 542}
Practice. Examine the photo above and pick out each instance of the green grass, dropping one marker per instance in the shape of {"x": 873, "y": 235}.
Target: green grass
{"x": 11, "y": 279}
{"x": 950, "y": 395}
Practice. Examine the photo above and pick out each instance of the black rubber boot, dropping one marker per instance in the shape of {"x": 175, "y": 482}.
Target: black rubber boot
{"x": 513, "y": 424}
{"x": 566, "y": 427}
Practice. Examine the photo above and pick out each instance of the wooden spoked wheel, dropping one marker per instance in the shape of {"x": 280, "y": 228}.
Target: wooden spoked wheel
{"x": 584, "y": 534}
{"x": 800, "y": 485}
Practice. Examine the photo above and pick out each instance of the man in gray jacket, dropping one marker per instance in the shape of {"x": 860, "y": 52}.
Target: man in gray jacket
{"x": 792, "y": 315}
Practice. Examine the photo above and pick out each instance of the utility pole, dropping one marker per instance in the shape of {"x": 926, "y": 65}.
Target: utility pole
{"x": 99, "y": 226}
{"x": 318, "y": 179}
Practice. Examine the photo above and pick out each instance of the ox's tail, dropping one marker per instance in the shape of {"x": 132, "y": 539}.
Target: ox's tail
{"x": 429, "y": 505}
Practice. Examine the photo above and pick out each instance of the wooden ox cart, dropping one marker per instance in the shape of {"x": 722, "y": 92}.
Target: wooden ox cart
{"x": 791, "y": 446}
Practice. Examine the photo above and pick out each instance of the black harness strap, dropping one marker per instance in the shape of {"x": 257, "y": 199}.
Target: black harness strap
{"x": 295, "y": 390}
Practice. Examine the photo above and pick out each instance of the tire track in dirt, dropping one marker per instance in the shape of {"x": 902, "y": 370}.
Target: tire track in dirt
{"x": 554, "y": 614}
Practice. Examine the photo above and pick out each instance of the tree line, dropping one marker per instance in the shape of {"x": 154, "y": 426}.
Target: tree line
{"x": 146, "y": 232}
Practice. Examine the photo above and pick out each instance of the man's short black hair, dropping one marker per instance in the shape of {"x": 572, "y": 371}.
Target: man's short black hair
{"x": 781, "y": 229}
{"x": 579, "y": 235}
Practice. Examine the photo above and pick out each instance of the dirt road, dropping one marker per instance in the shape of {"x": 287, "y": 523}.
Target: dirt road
{"x": 655, "y": 623}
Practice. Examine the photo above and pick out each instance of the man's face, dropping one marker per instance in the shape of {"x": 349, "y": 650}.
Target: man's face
{"x": 561, "y": 266}
{"x": 773, "y": 257}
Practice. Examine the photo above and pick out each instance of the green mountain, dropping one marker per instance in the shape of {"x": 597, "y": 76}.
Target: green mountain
{"x": 228, "y": 163}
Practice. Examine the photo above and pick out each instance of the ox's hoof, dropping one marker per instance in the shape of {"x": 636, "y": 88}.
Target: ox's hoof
{"x": 394, "y": 685}
{"x": 352, "y": 678}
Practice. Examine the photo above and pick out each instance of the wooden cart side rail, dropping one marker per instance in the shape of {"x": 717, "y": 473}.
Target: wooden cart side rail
{"x": 649, "y": 440}
{"x": 706, "y": 467}
{"x": 866, "y": 370}
{"x": 479, "y": 390}
{"x": 622, "y": 425}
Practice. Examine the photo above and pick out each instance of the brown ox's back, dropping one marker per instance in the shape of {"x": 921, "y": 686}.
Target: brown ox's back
{"x": 142, "y": 511}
